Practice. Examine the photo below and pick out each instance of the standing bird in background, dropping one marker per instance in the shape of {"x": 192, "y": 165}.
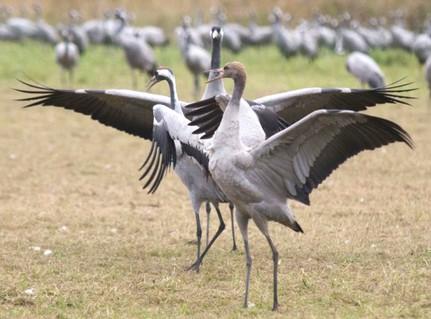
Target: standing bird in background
{"x": 428, "y": 73}
{"x": 67, "y": 56}
{"x": 365, "y": 69}
{"x": 139, "y": 55}
{"x": 197, "y": 59}
{"x": 79, "y": 36}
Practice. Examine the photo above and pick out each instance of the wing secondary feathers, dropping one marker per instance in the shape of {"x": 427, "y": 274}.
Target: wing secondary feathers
{"x": 300, "y": 157}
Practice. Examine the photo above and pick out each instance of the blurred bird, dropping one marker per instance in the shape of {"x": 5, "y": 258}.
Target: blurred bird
{"x": 67, "y": 56}
{"x": 139, "y": 55}
{"x": 428, "y": 73}
{"x": 365, "y": 69}
{"x": 197, "y": 59}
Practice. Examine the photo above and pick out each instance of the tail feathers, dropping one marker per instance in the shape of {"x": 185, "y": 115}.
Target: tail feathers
{"x": 288, "y": 219}
{"x": 293, "y": 225}
{"x": 296, "y": 227}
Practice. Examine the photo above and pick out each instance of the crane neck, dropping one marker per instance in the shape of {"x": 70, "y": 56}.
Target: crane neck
{"x": 227, "y": 135}
{"x": 216, "y": 53}
{"x": 175, "y": 102}
{"x": 122, "y": 25}
{"x": 238, "y": 88}
{"x": 214, "y": 87}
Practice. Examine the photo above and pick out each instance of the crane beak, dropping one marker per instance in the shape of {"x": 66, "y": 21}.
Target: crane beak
{"x": 152, "y": 82}
{"x": 217, "y": 73}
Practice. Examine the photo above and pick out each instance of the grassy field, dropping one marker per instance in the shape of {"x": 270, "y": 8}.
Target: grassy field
{"x": 70, "y": 185}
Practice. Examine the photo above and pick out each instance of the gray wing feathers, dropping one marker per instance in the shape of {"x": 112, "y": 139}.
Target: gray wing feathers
{"x": 170, "y": 126}
{"x": 162, "y": 155}
{"x": 294, "y": 105}
{"x": 125, "y": 110}
{"x": 300, "y": 157}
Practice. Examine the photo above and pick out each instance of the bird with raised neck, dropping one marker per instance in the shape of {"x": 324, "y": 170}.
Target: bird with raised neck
{"x": 290, "y": 164}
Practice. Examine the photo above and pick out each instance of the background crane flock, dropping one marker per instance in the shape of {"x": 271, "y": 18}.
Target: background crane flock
{"x": 342, "y": 35}
{"x": 251, "y": 153}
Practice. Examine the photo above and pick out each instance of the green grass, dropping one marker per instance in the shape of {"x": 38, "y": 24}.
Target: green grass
{"x": 366, "y": 251}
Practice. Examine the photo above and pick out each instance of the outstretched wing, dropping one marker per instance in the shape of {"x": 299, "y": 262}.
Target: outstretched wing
{"x": 294, "y": 105}
{"x": 288, "y": 107}
{"x": 296, "y": 160}
{"x": 171, "y": 136}
{"x": 125, "y": 110}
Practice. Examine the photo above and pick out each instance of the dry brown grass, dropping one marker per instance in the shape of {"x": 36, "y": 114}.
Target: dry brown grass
{"x": 168, "y": 13}
{"x": 366, "y": 251}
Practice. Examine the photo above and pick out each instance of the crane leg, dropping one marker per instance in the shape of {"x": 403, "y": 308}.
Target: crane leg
{"x": 208, "y": 209}
{"x": 196, "y": 88}
{"x": 242, "y": 221}
{"x": 231, "y": 207}
{"x": 70, "y": 77}
{"x": 275, "y": 271}
{"x": 63, "y": 77}
{"x": 198, "y": 243}
{"x": 197, "y": 263}
{"x": 134, "y": 80}
{"x": 263, "y": 227}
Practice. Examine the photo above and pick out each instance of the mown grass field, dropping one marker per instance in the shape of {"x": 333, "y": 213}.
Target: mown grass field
{"x": 366, "y": 251}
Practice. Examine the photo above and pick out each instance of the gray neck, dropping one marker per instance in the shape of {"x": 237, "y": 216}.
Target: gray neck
{"x": 238, "y": 89}
{"x": 175, "y": 102}
{"x": 215, "y": 87}
{"x": 215, "y": 54}
{"x": 121, "y": 26}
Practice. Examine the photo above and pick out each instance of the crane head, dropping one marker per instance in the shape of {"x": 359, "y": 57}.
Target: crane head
{"x": 161, "y": 74}
{"x": 233, "y": 70}
{"x": 216, "y": 33}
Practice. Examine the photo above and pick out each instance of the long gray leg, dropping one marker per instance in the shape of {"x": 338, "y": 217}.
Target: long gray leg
{"x": 275, "y": 271}
{"x": 220, "y": 229}
{"x": 198, "y": 236}
{"x": 71, "y": 77}
{"x": 242, "y": 221}
{"x": 134, "y": 80}
{"x": 196, "y": 83}
{"x": 196, "y": 207}
{"x": 63, "y": 77}
{"x": 263, "y": 227}
{"x": 208, "y": 209}
{"x": 231, "y": 207}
